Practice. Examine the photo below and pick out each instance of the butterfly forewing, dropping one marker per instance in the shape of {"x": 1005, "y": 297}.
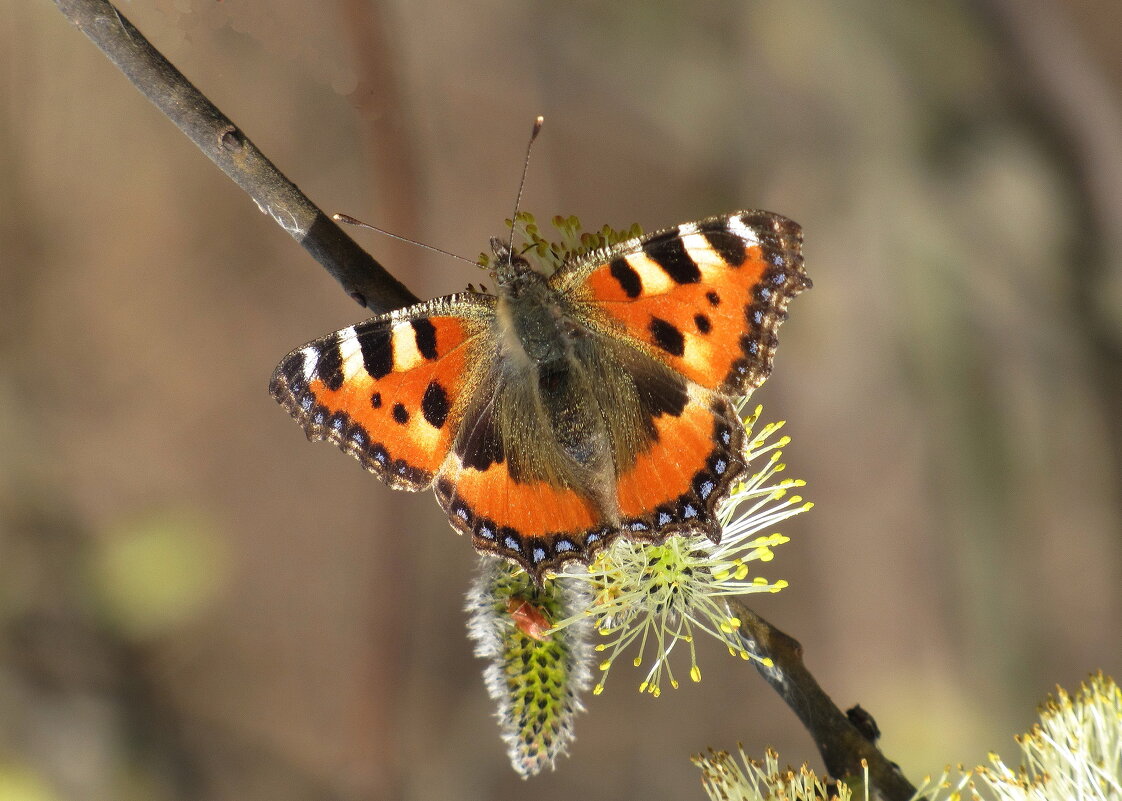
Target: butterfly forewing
{"x": 390, "y": 391}
{"x": 705, "y": 297}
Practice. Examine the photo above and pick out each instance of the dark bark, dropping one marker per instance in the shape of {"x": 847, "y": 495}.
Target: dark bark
{"x": 843, "y": 747}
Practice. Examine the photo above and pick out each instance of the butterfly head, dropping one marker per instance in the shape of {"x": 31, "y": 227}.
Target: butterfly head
{"x": 509, "y": 269}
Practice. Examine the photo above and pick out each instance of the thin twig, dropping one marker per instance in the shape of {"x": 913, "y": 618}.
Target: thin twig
{"x": 840, "y": 743}
{"x": 363, "y": 278}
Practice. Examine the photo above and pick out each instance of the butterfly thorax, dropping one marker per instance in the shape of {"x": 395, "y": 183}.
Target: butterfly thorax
{"x": 534, "y": 319}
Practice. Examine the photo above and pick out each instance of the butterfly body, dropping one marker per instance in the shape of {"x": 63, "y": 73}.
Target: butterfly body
{"x": 569, "y": 407}
{"x": 550, "y": 362}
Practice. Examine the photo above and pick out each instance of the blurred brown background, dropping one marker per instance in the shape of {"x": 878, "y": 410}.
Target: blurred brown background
{"x": 195, "y": 603}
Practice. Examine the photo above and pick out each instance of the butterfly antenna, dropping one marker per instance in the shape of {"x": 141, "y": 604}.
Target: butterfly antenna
{"x": 538, "y": 122}
{"x": 349, "y": 220}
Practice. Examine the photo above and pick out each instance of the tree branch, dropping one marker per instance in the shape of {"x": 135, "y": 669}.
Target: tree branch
{"x": 363, "y": 278}
{"x": 841, "y": 744}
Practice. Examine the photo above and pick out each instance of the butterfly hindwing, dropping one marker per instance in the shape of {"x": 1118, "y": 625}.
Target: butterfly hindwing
{"x": 676, "y": 486}
{"x": 534, "y": 523}
{"x": 706, "y": 297}
{"x": 390, "y": 390}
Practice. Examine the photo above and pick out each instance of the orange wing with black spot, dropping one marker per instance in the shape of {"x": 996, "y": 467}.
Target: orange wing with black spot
{"x": 390, "y": 391}
{"x": 707, "y": 297}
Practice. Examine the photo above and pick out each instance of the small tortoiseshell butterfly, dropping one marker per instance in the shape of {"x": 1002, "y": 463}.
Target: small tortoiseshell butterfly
{"x": 569, "y": 408}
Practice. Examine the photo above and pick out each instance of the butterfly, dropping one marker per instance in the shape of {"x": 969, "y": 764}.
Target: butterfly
{"x": 569, "y": 407}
